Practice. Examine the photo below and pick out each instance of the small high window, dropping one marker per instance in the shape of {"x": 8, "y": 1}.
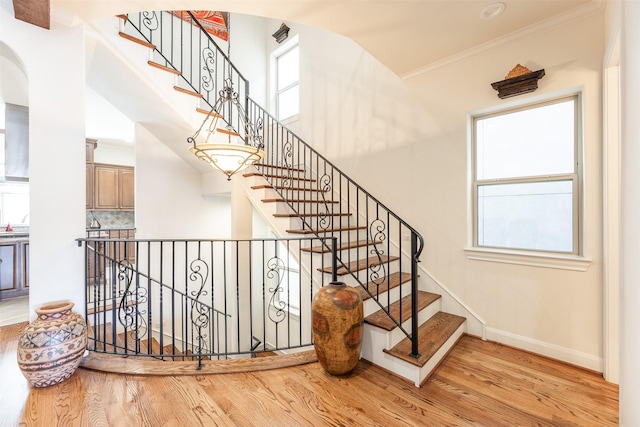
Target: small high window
{"x": 287, "y": 80}
{"x": 527, "y": 178}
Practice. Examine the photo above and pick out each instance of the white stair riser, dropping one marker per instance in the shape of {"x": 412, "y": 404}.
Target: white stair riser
{"x": 372, "y": 350}
{"x": 371, "y": 306}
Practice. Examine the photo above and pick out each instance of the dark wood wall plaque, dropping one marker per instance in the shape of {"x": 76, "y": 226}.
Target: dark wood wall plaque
{"x": 36, "y": 12}
{"x": 518, "y": 85}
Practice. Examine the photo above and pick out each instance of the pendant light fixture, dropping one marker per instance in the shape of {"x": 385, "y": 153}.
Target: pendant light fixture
{"x": 217, "y": 142}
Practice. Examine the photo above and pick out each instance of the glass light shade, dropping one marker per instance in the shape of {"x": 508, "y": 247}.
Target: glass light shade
{"x": 228, "y": 158}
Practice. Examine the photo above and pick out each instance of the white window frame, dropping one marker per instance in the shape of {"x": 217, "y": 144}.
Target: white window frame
{"x": 571, "y": 261}
{"x": 281, "y": 50}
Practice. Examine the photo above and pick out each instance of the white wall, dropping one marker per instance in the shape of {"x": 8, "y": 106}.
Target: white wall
{"x": 56, "y": 154}
{"x": 169, "y": 201}
{"x": 248, "y": 49}
{"x": 630, "y": 247}
{"x": 406, "y": 142}
{"x": 115, "y": 153}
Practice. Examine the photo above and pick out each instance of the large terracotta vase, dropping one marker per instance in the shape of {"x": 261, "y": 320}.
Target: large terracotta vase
{"x": 51, "y": 347}
{"x": 337, "y": 320}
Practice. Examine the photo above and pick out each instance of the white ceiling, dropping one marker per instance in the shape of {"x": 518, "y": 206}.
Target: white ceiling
{"x": 408, "y": 36}
{"x": 405, "y": 35}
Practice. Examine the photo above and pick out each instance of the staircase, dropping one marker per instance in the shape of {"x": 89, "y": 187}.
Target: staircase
{"x": 387, "y": 297}
{"x": 376, "y": 252}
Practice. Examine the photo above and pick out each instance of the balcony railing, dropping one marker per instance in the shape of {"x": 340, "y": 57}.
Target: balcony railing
{"x": 200, "y": 299}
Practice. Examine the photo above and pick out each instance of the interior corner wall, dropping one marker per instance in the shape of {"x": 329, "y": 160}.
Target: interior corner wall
{"x": 248, "y": 50}
{"x": 56, "y": 155}
{"x": 630, "y": 198}
{"x": 169, "y": 200}
{"x": 405, "y": 141}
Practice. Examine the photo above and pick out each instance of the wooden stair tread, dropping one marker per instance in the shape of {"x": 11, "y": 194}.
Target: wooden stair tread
{"x": 155, "y": 345}
{"x": 393, "y": 280}
{"x": 351, "y": 244}
{"x": 163, "y": 67}
{"x": 431, "y": 337}
{"x": 206, "y": 112}
{"x": 382, "y": 320}
{"x": 281, "y": 187}
{"x": 328, "y": 230}
{"x": 149, "y": 366}
{"x": 262, "y": 165}
{"x": 280, "y": 200}
{"x": 268, "y": 175}
{"x": 297, "y": 215}
{"x": 187, "y": 91}
{"x": 137, "y": 40}
{"x": 361, "y": 264}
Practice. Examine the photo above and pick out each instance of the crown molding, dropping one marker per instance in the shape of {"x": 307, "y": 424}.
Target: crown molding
{"x": 576, "y": 14}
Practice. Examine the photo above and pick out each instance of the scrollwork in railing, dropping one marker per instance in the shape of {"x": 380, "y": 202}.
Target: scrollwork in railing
{"x": 377, "y": 270}
{"x": 259, "y": 133}
{"x": 150, "y": 20}
{"x": 325, "y": 187}
{"x": 275, "y": 268}
{"x": 131, "y": 298}
{"x": 208, "y": 61}
{"x": 287, "y": 172}
{"x": 200, "y": 313}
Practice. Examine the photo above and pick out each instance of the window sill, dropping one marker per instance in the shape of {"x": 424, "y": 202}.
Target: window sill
{"x": 532, "y": 259}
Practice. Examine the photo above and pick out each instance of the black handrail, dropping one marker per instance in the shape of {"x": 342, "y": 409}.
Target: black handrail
{"x": 304, "y": 178}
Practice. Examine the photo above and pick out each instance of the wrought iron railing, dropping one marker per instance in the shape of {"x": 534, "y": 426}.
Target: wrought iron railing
{"x": 376, "y": 247}
{"x": 182, "y": 43}
{"x": 200, "y": 299}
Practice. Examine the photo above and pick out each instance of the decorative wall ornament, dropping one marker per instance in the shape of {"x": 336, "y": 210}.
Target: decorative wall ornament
{"x": 214, "y": 23}
{"x": 520, "y": 80}
{"x": 282, "y": 33}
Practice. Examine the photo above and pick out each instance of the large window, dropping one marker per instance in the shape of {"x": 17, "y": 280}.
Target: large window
{"x": 526, "y": 188}
{"x": 287, "y": 76}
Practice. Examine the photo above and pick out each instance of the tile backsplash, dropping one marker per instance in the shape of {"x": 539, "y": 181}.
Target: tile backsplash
{"x": 112, "y": 219}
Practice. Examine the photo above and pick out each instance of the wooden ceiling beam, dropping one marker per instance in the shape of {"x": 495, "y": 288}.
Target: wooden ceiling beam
{"x": 36, "y": 12}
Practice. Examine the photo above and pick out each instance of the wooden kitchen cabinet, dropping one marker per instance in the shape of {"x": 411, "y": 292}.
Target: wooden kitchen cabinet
{"x": 113, "y": 187}
{"x": 126, "y": 183}
{"x": 90, "y": 185}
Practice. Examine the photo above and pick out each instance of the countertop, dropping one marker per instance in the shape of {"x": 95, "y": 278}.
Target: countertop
{"x": 14, "y": 236}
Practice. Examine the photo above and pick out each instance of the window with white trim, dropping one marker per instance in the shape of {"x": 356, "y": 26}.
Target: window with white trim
{"x": 287, "y": 80}
{"x": 527, "y": 178}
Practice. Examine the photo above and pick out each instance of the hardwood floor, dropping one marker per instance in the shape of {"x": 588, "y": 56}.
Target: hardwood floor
{"x": 479, "y": 384}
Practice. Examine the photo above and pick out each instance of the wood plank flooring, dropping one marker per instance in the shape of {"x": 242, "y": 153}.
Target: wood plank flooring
{"x": 479, "y": 384}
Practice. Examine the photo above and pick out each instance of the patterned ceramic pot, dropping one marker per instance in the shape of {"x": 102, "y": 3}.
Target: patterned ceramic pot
{"x": 337, "y": 320}
{"x": 51, "y": 347}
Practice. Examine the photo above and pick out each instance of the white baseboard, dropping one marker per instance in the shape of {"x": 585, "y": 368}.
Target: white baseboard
{"x": 574, "y": 357}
